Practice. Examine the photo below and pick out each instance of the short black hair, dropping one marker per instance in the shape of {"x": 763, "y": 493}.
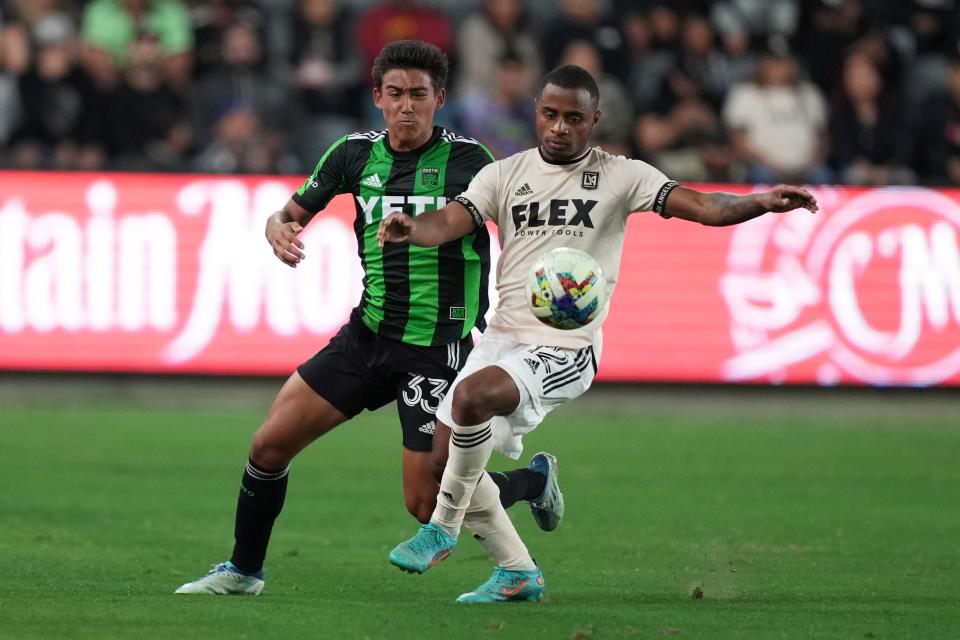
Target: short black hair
{"x": 570, "y": 76}
{"x": 411, "y": 54}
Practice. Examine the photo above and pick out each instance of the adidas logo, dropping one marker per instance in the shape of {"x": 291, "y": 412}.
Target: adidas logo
{"x": 533, "y": 364}
{"x": 428, "y": 427}
{"x": 373, "y": 180}
{"x": 525, "y": 190}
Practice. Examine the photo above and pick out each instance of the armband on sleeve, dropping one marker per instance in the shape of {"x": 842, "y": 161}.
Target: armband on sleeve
{"x": 477, "y": 218}
{"x": 661, "y": 200}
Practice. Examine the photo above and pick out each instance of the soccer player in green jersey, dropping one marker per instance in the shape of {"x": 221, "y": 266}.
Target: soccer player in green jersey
{"x": 410, "y": 333}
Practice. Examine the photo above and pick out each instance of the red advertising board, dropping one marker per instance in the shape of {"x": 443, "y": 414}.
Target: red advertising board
{"x": 161, "y": 273}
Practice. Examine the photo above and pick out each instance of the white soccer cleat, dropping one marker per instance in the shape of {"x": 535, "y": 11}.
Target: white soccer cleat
{"x": 225, "y": 580}
{"x": 547, "y": 509}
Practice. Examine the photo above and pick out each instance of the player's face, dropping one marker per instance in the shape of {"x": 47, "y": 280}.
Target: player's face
{"x": 408, "y": 102}
{"x": 565, "y": 119}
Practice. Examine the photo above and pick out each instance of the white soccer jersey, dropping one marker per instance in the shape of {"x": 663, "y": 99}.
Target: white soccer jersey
{"x": 539, "y": 205}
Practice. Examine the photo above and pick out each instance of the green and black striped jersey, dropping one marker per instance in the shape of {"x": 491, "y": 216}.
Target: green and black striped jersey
{"x": 417, "y": 295}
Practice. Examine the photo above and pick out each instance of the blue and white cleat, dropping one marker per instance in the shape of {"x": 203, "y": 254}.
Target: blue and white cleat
{"x": 225, "y": 580}
{"x": 431, "y": 545}
{"x": 506, "y": 585}
{"x": 548, "y": 508}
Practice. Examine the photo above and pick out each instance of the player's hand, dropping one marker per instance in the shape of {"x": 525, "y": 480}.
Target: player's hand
{"x": 786, "y": 198}
{"x": 282, "y": 236}
{"x": 395, "y": 227}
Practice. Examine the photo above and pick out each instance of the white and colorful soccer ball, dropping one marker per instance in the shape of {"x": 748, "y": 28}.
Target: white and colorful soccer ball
{"x": 566, "y": 288}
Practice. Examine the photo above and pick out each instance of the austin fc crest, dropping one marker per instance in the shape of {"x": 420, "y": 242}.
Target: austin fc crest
{"x": 430, "y": 177}
{"x": 590, "y": 180}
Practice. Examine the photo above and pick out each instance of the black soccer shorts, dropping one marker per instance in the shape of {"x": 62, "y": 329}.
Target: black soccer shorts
{"x": 360, "y": 370}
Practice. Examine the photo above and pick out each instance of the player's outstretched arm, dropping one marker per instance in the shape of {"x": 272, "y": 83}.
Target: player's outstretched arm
{"x": 282, "y": 229}
{"x": 429, "y": 229}
{"x": 724, "y": 209}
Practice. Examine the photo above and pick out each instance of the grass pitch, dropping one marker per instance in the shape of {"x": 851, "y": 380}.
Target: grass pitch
{"x": 763, "y": 516}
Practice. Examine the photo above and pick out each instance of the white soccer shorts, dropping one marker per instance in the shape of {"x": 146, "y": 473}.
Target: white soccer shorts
{"x": 546, "y": 377}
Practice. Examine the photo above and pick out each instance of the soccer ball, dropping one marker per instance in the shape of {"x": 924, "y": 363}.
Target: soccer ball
{"x": 566, "y": 288}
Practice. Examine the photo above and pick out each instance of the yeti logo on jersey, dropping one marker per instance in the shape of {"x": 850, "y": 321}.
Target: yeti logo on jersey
{"x": 555, "y": 213}
{"x": 458, "y": 313}
{"x": 590, "y": 180}
{"x": 429, "y": 177}
{"x": 418, "y": 205}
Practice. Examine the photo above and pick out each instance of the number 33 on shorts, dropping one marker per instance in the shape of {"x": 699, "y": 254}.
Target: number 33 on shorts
{"x": 434, "y": 387}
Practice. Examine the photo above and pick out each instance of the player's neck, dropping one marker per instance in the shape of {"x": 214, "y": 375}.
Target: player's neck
{"x": 571, "y": 159}
{"x": 408, "y": 145}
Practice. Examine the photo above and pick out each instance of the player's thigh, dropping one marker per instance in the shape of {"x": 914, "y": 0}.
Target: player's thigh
{"x": 331, "y": 387}
{"x": 487, "y": 392}
{"x": 297, "y": 417}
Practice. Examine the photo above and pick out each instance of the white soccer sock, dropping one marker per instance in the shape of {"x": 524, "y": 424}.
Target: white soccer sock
{"x": 488, "y": 521}
{"x": 470, "y": 449}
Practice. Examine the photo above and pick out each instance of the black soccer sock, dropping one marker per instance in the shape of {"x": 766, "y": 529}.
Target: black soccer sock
{"x": 519, "y": 484}
{"x": 261, "y": 499}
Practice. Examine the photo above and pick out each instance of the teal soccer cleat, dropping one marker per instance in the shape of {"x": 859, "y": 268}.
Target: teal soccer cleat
{"x": 431, "y": 545}
{"x": 225, "y": 580}
{"x": 547, "y": 509}
{"x": 506, "y": 585}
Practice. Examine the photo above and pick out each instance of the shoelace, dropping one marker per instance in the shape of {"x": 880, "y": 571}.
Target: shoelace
{"x": 500, "y": 578}
{"x": 419, "y": 544}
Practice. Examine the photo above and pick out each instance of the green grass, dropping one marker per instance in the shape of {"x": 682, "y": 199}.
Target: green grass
{"x": 827, "y": 518}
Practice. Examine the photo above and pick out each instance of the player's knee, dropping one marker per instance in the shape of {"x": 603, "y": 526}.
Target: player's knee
{"x": 469, "y": 405}
{"x": 266, "y": 453}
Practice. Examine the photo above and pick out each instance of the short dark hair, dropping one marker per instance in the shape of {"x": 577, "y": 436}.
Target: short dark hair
{"x": 411, "y": 54}
{"x": 570, "y": 76}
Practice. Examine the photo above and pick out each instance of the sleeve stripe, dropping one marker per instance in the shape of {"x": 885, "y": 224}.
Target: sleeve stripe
{"x": 477, "y": 218}
{"x": 661, "y": 200}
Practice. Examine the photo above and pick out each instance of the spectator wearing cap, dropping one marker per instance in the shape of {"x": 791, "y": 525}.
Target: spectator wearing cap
{"x": 59, "y": 128}
{"x": 110, "y": 27}
{"x": 778, "y": 122}
{"x": 869, "y": 143}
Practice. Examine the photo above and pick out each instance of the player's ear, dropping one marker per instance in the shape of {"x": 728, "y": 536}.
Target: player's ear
{"x": 441, "y": 97}
{"x": 377, "y": 95}
{"x": 596, "y": 117}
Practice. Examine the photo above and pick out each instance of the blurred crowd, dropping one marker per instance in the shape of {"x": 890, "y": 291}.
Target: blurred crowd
{"x": 813, "y": 91}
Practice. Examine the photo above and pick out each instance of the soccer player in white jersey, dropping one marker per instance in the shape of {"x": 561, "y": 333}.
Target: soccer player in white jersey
{"x": 563, "y": 193}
